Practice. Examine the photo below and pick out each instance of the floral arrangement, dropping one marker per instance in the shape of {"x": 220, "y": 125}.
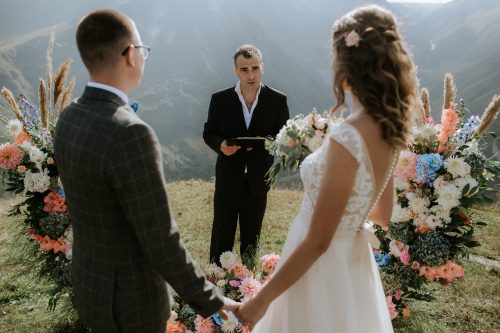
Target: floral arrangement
{"x": 234, "y": 280}
{"x": 437, "y": 179}
{"x": 28, "y": 168}
{"x": 300, "y": 136}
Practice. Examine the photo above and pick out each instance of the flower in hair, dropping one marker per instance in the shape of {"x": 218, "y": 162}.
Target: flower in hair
{"x": 352, "y": 39}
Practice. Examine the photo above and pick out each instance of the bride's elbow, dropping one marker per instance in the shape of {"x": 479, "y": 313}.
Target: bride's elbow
{"x": 320, "y": 246}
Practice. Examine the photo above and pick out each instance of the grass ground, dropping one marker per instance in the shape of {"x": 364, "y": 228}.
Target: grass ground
{"x": 470, "y": 305}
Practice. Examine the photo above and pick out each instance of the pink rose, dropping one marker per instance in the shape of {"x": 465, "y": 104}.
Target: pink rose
{"x": 352, "y": 39}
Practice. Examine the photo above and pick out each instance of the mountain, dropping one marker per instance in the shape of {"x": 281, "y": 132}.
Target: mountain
{"x": 192, "y": 45}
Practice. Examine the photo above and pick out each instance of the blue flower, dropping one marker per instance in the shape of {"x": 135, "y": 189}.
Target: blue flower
{"x": 60, "y": 191}
{"x": 471, "y": 124}
{"x": 427, "y": 166}
{"x": 217, "y": 319}
{"x": 382, "y": 259}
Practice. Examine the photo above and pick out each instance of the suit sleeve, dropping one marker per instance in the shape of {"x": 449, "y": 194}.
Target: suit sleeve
{"x": 283, "y": 116}
{"x": 136, "y": 173}
{"x": 211, "y": 131}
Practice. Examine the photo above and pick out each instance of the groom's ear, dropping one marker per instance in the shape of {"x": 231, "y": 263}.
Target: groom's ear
{"x": 130, "y": 57}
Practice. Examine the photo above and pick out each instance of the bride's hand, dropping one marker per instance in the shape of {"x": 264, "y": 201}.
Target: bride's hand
{"x": 229, "y": 305}
{"x": 252, "y": 311}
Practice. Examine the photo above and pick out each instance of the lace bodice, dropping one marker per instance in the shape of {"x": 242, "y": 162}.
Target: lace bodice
{"x": 313, "y": 168}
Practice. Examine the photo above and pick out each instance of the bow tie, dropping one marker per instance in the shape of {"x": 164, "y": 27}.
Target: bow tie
{"x": 134, "y": 106}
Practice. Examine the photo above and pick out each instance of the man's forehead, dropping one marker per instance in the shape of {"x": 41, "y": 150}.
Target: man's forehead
{"x": 241, "y": 61}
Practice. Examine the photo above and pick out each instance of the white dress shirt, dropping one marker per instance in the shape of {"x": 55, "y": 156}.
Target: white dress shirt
{"x": 247, "y": 114}
{"x": 111, "y": 89}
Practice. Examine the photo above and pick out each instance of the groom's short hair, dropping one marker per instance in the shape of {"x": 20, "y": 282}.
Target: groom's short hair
{"x": 100, "y": 37}
{"x": 247, "y": 51}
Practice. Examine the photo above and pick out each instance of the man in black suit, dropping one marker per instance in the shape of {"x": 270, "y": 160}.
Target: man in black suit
{"x": 126, "y": 243}
{"x": 249, "y": 109}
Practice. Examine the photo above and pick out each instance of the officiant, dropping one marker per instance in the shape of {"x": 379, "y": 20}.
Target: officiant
{"x": 251, "y": 110}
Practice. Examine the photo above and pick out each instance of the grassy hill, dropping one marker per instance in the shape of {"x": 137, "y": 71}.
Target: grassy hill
{"x": 470, "y": 305}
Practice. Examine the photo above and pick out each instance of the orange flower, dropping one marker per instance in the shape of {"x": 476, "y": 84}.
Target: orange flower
{"x": 449, "y": 120}
{"x": 54, "y": 203}
{"x": 37, "y": 238}
{"x": 176, "y": 327}
{"x": 423, "y": 228}
{"x": 48, "y": 244}
{"x": 406, "y": 312}
{"x": 50, "y": 197}
{"x": 60, "y": 208}
{"x": 21, "y": 137}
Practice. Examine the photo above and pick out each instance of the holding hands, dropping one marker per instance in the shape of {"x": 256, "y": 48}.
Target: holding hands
{"x": 252, "y": 311}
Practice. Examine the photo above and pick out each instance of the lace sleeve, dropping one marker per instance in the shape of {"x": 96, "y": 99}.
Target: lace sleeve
{"x": 349, "y": 138}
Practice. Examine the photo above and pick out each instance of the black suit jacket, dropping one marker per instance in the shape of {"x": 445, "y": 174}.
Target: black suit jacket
{"x": 225, "y": 120}
{"x": 126, "y": 244}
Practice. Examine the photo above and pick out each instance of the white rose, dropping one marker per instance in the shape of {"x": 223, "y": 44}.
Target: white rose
{"x": 439, "y": 182}
{"x": 228, "y": 259}
{"x": 320, "y": 124}
{"x": 315, "y": 142}
{"x": 37, "y": 181}
{"x": 38, "y": 157}
{"x": 397, "y": 247}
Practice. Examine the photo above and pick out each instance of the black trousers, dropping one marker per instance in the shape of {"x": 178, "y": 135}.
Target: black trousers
{"x": 228, "y": 209}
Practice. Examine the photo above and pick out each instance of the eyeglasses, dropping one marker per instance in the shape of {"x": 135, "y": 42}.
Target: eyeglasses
{"x": 144, "y": 49}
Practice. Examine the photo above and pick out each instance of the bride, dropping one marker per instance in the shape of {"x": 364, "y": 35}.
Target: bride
{"x": 327, "y": 280}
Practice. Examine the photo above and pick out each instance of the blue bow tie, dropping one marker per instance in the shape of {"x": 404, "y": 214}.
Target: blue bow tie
{"x": 134, "y": 106}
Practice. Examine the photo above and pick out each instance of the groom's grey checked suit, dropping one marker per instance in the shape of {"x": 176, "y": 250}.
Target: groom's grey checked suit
{"x": 126, "y": 245}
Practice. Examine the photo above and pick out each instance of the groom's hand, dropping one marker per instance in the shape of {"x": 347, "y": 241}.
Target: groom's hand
{"x": 229, "y": 305}
{"x": 228, "y": 150}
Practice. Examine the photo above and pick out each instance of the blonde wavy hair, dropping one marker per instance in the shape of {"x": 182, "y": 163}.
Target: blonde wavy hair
{"x": 378, "y": 68}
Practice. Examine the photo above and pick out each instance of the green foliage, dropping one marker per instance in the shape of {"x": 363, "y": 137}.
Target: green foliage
{"x": 431, "y": 249}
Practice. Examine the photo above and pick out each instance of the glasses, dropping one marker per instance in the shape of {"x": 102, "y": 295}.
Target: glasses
{"x": 144, "y": 49}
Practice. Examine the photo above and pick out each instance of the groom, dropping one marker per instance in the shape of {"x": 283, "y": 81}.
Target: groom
{"x": 126, "y": 244}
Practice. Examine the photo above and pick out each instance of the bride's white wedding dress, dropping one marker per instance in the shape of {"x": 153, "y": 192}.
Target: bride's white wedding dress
{"x": 342, "y": 291}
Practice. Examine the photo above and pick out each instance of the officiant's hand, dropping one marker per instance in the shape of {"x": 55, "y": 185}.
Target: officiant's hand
{"x": 228, "y": 150}
{"x": 252, "y": 311}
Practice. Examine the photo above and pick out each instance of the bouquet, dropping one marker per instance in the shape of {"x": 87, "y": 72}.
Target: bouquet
{"x": 28, "y": 168}
{"x": 437, "y": 179}
{"x": 235, "y": 281}
{"x": 300, "y": 136}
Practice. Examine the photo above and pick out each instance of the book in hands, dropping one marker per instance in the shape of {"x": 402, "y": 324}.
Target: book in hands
{"x": 246, "y": 141}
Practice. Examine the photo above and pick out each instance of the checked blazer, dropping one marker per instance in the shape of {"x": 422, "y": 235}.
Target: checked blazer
{"x": 126, "y": 244}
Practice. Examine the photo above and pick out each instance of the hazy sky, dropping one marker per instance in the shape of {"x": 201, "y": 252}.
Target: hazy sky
{"x": 435, "y": 1}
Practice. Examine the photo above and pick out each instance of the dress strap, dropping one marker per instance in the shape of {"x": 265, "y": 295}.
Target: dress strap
{"x": 347, "y": 136}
